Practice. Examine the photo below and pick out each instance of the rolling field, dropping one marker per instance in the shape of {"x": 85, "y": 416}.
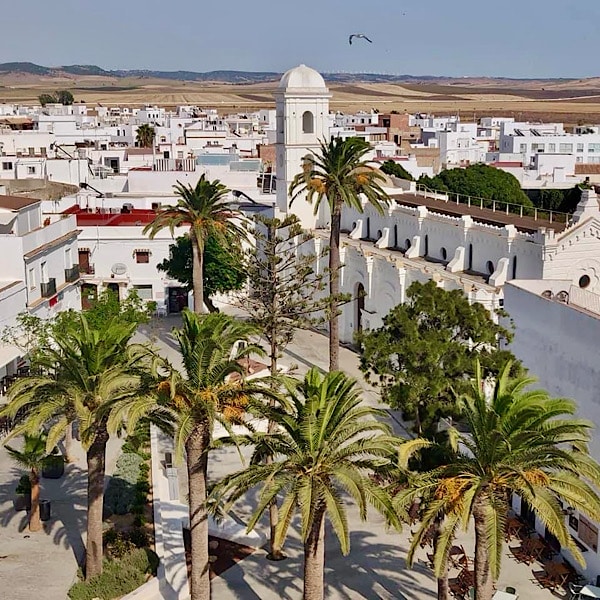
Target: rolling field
{"x": 567, "y": 101}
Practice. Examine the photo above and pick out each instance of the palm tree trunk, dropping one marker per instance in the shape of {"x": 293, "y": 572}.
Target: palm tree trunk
{"x": 69, "y": 443}
{"x": 484, "y": 585}
{"x": 314, "y": 559}
{"x": 197, "y": 273}
{"x": 197, "y": 463}
{"x": 35, "y": 524}
{"x": 96, "y": 464}
{"x": 443, "y": 589}
{"x": 334, "y": 287}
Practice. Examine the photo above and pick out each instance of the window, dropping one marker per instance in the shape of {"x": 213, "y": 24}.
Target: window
{"x": 443, "y": 253}
{"x": 7, "y": 166}
{"x": 406, "y": 243}
{"x": 144, "y": 291}
{"x": 308, "y": 122}
{"x": 551, "y": 148}
{"x": 593, "y": 148}
{"x": 68, "y": 263}
{"x": 579, "y": 147}
{"x": 514, "y": 267}
{"x": 588, "y": 533}
{"x": 523, "y": 148}
{"x": 30, "y": 170}
{"x": 584, "y": 281}
{"x": 538, "y": 147}
{"x": 490, "y": 267}
{"x": 142, "y": 256}
{"x": 565, "y": 148}
{"x": 32, "y": 279}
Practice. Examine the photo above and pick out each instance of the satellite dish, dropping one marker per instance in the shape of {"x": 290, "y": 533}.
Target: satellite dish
{"x": 119, "y": 269}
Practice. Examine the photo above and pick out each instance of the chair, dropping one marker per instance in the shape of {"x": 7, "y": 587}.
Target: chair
{"x": 574, "y": 591}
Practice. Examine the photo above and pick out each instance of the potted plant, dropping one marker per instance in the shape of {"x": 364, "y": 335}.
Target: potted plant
{"x": 22, "y": 499}
{"x": 54, "y": 466}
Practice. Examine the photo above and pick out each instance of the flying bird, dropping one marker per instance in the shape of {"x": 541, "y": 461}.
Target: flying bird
{"x": 361, "y": 36}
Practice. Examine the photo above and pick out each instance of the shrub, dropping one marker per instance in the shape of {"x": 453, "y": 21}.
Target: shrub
{"x": 122, "y": 491}
{"x": 119, "y": 577}
{"x": 24, "y": 485}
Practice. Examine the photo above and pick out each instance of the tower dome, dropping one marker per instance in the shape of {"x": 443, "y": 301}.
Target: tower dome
{"x": 302, "y": 78}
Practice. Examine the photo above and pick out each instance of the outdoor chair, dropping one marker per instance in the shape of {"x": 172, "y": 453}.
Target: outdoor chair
{"x": 574, "y": 591}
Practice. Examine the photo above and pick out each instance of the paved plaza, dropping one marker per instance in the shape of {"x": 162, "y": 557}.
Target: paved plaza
{"x": 375, "y": 568}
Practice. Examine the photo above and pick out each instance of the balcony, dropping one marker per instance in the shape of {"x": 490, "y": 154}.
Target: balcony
{"x": 88, "y": 269}
{"x": 72, "y": 274}
{"x": 49, "y": 288}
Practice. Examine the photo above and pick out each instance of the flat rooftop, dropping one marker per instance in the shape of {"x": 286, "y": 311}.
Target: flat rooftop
{"x": 483, "y": 215}
{"x": 16, "y": 202}
{"x": 105, "y": 218}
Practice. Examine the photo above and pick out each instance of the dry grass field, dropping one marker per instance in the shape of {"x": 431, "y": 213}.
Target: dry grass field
{"x": 567, "y": 101}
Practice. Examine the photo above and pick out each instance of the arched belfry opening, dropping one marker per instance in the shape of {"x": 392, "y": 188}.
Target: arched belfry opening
{"x": 359, "y": 306}
{"x": 308, "y": 122}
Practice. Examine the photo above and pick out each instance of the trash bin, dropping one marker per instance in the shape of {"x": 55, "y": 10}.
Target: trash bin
{"x": 45, "y": 510}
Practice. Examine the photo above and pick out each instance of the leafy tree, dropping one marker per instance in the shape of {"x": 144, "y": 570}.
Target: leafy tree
{"x": 65, "y": 97}
{"x": 223, "y": 267}
{"x": 423, "y": 355}
{"x": 391, "y": 167}
{"x": 284, "y": 296}
{"x": 88, "y": 369}
{"x": 145, "y": 136}
{"x": 338, "y": 175}
{"x": 193, "y": 401}
{"x": 44, "y": 99}
{"x": 326, "y": 445}
{"x": 518, "y": 441}
{"x": 205, "y": 209}
{"x": 479, "y": 181}
{"x": 559, "y": 200}
{"x": 32, "y": 457}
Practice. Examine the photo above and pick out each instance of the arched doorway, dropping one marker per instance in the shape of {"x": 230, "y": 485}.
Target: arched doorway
{"x": 359, "y": 304}
{"x": 114, "y": 287}
{"x": 89, "y": 294}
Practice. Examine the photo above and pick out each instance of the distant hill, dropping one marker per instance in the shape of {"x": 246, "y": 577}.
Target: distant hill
{"x": 233, "y": 76}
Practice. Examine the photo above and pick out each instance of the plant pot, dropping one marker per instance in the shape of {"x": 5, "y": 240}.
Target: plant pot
{"x": 54, "y": 468}
{"x": 22, "y": 502}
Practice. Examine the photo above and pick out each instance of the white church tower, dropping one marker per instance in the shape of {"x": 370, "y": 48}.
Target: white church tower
{"x": 302, "y": 102}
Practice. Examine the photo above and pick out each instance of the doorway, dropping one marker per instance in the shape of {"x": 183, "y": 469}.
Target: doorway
{"x": 178, "y": 299}
{"x": 359, "y": 302}
{"x": 114, "y": 287}
{"x": 89, "y": 294}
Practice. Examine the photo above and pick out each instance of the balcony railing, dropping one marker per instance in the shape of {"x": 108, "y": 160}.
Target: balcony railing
{"x": 87, "y": 269}
{"x": 49, "y": 288}
{"x": 72, "y": 274}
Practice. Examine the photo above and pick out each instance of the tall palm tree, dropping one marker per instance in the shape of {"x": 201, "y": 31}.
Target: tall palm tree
{"x": 32, "y": 457}
{"x": 145, "y": 136}
{"x": 211, "y": 389}
{"x": 88, "y": 371}
{"x": 521, "y": 442}
{"x": 205, "y": 209}
{"x": 326, "y": 443}
{"x": 338, "y": 174}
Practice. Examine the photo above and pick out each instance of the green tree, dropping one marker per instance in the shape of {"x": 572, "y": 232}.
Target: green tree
{"x": 326, "y": 444}
{"x": 223, "y": 267}
{"x": 32, "y": 458}
{"x": 145, "y": 136}
{"x": 88, "y": 370}
{"x": 479, "y": 181}
{"x": 338, "y": 175}
{"x": 44, "y": 99}
{"x": 65, "y": 97}
{"x": 521, "y": 442}
{"x": 211, "y": 389}
{"x": 423, "y": 355}
{"x": 284, "y": 296}
{"x": 205, "y": 209}
{"x": 391, "y": 167}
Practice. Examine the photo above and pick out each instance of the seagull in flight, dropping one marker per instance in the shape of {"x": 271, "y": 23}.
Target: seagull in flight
{"x": 361, "y": 36}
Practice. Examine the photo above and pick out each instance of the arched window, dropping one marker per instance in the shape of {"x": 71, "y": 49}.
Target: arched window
{"x": 470, "y": 260}
{"x": 426, "y": 249}
{"x": 406, "y": 244}
{"x": 308, "y": 122}
{"x": 359, "y": 300}
{"x": 443, "y": 253}
{"x": 395, "y": 236}
{"x": 368, "y": 236}
{"x": 514, "y": 269}
{"x": 490, "y": 267}
{"x": 584, "y": 281}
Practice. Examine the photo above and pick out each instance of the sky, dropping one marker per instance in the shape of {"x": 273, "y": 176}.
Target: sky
{"x": 511, "y": 38}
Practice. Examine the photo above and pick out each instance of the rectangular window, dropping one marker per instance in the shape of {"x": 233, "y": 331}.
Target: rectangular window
{"x": 7, "y": 166}
{"x": 142, "y": 256}
{"x": 538, "y": 147}
{"x": 44, "y": 272}
{"x": 551, "y": 148}
{"x": 588, "y": 533}
{"x": 30, "y": 170}
{"x": 594, "y": 148}
{"x": 143, "y": 291}
{"x": 68, "y": 263}
{"x": 565, "y": 148}
{"x": 579, "y": 147}
{"x": 31, "y": 278}
{"x": 523, "y": 148}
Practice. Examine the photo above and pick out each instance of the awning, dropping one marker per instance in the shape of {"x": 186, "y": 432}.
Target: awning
{"x": 8, "y": 353}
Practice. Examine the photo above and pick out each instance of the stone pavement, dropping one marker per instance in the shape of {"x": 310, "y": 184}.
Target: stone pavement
{"x": 44, "y": 564}
{"x": 375, "y": 567}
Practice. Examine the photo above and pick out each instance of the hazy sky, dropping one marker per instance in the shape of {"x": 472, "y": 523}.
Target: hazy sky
{"x": 519, "y": 38}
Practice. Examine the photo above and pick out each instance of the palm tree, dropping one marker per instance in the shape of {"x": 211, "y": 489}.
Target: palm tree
{"x": 145, "y": 135}
{"x": 338, "y": 174}
{"x": 32, "y": 457}
{"x": 211, "y": 389}
{"x": 89, "y": 371}
{"x": 206, "y": 211}
{"x": 519, "y": 442}
{"x": 326, "y": 443}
